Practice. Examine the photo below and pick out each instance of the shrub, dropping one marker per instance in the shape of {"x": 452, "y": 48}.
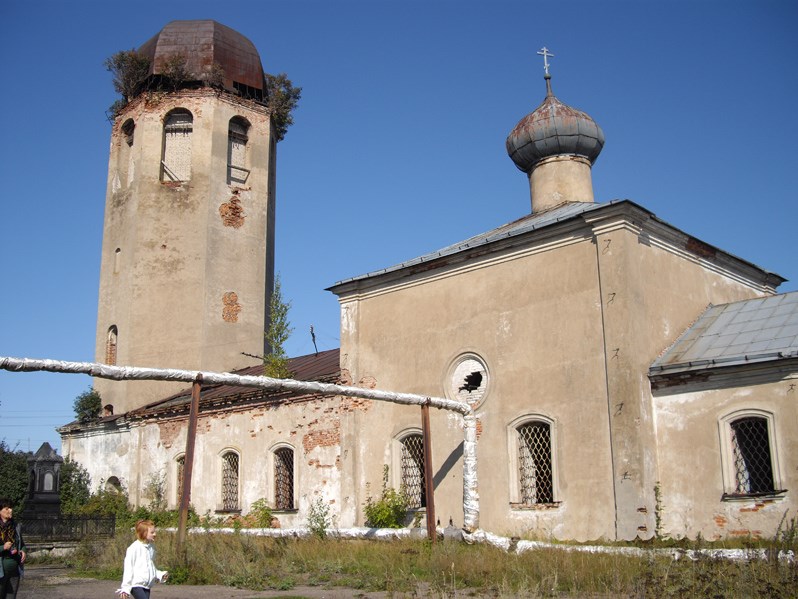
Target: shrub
{"x": 319, "y": 518}
{"x": 260, "y": 515}
{"x": 390, "y": 510}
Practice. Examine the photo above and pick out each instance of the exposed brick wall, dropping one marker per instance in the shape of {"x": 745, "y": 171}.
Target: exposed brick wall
{"x": 231, "y": 307}
{"x": 322, "y": 437}
{"x": 232, "y": 212}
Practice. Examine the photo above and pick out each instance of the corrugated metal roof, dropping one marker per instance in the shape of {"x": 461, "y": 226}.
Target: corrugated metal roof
{"x": 755, "y": 330}
{"x": 528, "y": 223}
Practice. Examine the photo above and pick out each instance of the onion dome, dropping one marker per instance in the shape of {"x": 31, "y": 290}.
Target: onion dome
{"x": 205, "y": 44}
{"x": 553, "y": 129}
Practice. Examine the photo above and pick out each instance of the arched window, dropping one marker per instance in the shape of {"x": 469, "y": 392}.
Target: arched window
{"x": 534, "y": 463}
{"x": 284, "y": 478}
{"x": 533, "y": 475}
{"x": 176, "y": 162}
{"x": 749, "y": 454}
{"x": 113, "y": 485}
{"x": 237, "y": 172}
{"x": 110, "y": 345}
{"x": 126, "y": 151}
{"x": 49, "y": 479}
{"x": 412, "y": 470}
{"x": 230, "y": 481}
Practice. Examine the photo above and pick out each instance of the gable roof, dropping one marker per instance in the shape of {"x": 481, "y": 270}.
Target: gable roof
{"x": 537, "y": 221}
{"x": 749, "y": 331}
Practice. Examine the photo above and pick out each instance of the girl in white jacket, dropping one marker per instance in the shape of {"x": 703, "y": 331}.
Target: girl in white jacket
{"x": 140, "y": 571}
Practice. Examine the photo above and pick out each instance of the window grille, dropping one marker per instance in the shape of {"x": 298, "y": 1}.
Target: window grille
{"x": 181, "y": 468}
{"x": 284, "y": 479}
{"x": 753, "y": 467}
{"x": 230, "y": 481}
{"x": 412, "y": 463}
{"x": 177, "y": 146}
{"x": 534, "y": 462}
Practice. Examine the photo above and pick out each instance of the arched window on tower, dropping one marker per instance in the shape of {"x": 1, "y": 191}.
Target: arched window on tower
{"x": 237, "y": 172}
{"x": 110, "y": 345}
{"x": 126, "y": 151}
{"x": 176, "y": 162}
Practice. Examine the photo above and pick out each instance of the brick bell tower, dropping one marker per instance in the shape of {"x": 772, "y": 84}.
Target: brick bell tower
{"x": 187, "y": 265}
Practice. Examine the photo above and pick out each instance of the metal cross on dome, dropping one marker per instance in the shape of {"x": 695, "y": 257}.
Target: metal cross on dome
{"x": 544, "y": 52}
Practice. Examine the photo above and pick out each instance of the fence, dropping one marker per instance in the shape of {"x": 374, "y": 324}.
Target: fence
{"x": 67, "y": 528}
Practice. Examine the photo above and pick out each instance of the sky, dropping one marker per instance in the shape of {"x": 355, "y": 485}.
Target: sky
{"x": 398, "y": 143}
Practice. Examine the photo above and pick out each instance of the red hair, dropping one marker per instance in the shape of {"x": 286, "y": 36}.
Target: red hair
{"x": 143, "y": 528}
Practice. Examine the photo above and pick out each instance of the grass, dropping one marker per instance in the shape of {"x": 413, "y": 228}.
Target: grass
{"x": 441, "y": 570}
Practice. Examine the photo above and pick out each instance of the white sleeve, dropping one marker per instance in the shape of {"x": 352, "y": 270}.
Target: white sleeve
{"x": 130, "y": 566}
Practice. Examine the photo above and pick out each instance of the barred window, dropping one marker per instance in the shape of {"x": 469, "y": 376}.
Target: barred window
{"x": 284, "y": 478}
{"x": 534, "y": 463}
{"x": 752, "y": 463}
{"x": 180, "y": 463}
{"x": 412, "y": 470}
{"x": 237, "y": 139}
{"x": 230, "y": 481}
{"x": 176, "y": 162}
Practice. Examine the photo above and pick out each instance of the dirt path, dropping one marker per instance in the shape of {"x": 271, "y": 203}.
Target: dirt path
{"x": 54, "y": 582}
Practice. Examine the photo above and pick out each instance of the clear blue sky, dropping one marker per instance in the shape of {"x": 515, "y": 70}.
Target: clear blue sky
{"x": 398, "y": 146}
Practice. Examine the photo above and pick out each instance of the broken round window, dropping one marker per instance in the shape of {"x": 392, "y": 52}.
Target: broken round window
{"x": 468, "y": 380}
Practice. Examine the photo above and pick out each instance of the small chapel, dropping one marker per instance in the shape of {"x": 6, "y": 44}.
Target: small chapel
{"x": 628, "y": 380}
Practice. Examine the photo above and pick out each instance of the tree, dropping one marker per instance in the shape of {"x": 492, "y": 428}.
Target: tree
{"x": 74, "y": 491}
{"x": 13, "y": 474}
{"x": 130, "y": 70}
{"x": 87, "y": 405}
{"x": 276, "y": 360}
{"x": 283, "y": 98}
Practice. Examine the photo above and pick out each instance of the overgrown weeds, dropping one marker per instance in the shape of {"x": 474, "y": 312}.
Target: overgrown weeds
{"x": 443, "y": 569}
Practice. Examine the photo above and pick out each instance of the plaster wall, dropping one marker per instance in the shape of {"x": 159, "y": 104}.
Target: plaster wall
{"x": 522, "y": 315}
{"x": 187, "y": 267}
{"x": 567, "y": 326}
{"x": 693, "y": 482}
{"x": 150, "y": 449}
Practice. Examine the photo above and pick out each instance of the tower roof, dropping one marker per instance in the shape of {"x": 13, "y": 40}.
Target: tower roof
{"x": 553, "y": 129}
{"x": 204, "y": 43}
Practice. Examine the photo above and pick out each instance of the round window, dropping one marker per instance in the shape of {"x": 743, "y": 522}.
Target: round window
{"x": 468, "y": 380}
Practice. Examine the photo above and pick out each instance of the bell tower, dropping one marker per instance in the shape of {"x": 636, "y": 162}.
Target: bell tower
{"x": 187, "y": 266}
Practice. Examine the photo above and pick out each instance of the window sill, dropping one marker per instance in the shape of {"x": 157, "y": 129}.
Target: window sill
{"x": 291, "y": 511}
{"x": 532, "y": 507}
{"x": 221, "y": 511}
{"x": 754, "y": 496}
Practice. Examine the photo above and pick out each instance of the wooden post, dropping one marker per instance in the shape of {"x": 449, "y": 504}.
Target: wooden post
{"x": 429, "y": 491}
{"x": 188, "y": 464}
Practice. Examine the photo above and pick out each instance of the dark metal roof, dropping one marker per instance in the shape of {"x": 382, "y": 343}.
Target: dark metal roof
{"x": 204, "y": 43}
{"x": 322, "y": 367}
{"x": 750, "y": 331}
{"x": 553, "y": 129}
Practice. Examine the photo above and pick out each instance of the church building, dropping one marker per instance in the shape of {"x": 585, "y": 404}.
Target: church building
{"x": 628, "y": 379}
